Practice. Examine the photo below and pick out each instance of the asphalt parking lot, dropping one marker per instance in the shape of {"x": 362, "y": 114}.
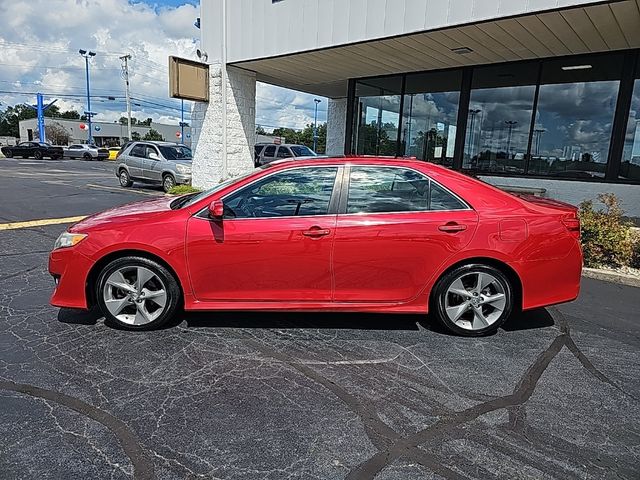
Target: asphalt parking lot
{"x": 555, "y": 394}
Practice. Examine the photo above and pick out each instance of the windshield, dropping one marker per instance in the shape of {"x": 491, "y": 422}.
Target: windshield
{"x": 302, "y": 151}
{"x": 175, "y": 152}
{"x": 189, "y": 200}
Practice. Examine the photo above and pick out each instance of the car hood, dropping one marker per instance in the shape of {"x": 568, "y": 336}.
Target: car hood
{"x": 129, "y": 213}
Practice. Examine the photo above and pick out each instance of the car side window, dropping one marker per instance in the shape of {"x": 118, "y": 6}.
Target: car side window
{"x": 138, "y": 151}
{"x": 284, "y": 152}
{"x": 270, "y": 151}
{"x": 390, "y": 189}
{"x": 149, "y": 151}
{"x": 441, "y": 199}
{"x": 302, "y": 191}
{"x": 385, "y": 189}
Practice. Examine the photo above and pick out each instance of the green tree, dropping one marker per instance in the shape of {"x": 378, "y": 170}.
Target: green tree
{"x": 152, "y": 135}
{"x": 11, "y": 117}
{"x": 146, "y": 123}
{"x": 135, "y": 136}
{"x": 260, "y": 130}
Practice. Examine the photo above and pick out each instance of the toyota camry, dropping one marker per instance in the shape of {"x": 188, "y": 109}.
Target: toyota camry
{"x": 341, "y": 234}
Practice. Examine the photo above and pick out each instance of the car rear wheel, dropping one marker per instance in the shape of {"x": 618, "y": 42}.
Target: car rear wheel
{"x": 124, "y": 178}
{"x": 473, "y": 300}
{"x": 37, "y": 155}
{"x": 168, "y": 182}
{"x": 86, "y": 156}
{"x": 136, "y": 293}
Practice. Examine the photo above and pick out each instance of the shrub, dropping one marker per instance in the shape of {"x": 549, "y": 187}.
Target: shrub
{"x": 183, "y": 189}
{"x": 635, "y": 259}
{"x": 607, "y": 239}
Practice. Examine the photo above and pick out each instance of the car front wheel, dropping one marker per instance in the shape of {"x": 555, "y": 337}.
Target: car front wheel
{"x": 37, "y": 155}
{"x": 136, "y": 293}
{"x": 124, "y": 178}
{"x": 168, "y": 182}
{"x": 473, "y": 300}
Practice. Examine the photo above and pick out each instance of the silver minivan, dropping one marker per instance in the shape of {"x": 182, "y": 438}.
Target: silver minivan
{"x": 164, "y": 163}
{"x": 270, "y": 153}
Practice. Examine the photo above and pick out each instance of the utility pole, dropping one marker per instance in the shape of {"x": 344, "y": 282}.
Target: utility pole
{"x": 87, "y": 55}
{"x": 315, "y": 125}
{"x": 125, "y": 74}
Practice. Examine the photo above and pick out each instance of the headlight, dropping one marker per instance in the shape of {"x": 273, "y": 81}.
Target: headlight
{"x": 67, "y": 239}
{"x": 183, "y": 168}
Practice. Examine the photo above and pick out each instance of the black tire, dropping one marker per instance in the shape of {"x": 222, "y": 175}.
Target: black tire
{"x": 86, "y": 156}
{"x": 124, "y": 178}
{"x": 172, "y": 289}
{"x": 168, "y": 182}
{"x": 441, "y": 294}
{"x": 8, "y": 153}
{"x": 37, "y": 155}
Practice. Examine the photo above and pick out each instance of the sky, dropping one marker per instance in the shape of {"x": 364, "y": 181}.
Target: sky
{"x": 39, "y": 42}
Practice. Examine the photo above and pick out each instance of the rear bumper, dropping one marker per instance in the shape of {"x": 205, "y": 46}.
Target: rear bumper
{"x": 70, "y": 271}
{"x": 548, "y": 282}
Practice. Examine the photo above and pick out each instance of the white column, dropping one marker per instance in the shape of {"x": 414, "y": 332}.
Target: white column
{"x": 220, "y": 154}
{"x": 336, "y": 125}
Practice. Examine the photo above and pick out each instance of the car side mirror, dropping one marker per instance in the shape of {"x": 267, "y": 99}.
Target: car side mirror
{"x": 216, "y": 210}
{"x": 154, "y": 156}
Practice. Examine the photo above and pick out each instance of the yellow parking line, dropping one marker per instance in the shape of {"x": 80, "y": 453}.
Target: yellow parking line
{"x": 40, "y": 223}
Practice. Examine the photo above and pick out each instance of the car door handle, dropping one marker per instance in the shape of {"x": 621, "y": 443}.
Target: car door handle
{"x": 452, "y": 227}
{"x": 316, "y": 232}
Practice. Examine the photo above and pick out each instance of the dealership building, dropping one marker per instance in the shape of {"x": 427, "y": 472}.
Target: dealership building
{"x": 543, "y": 95}
{"x": 105, "y": 134}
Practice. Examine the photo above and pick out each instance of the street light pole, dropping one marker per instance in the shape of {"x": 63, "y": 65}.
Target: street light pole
{"x": 88, "y": 54}
{"x": 315, "y": 125}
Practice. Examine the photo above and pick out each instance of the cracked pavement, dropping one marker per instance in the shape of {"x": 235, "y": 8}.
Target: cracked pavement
{"x": 555, "y": 394}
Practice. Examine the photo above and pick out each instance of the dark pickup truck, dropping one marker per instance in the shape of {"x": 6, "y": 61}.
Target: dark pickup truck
{"x": 36, "y": 150}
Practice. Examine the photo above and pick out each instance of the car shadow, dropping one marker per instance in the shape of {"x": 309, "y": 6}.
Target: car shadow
{"x": 534, "y": 319}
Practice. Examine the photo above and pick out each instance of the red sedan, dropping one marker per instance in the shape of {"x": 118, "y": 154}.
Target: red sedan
{"x": 354, "y": 234}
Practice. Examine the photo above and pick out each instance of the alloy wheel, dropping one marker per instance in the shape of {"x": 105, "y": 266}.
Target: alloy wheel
{"x": 135, "y": 295}
{"x": 168, "y": 183}
{"x": 475, "y": 300}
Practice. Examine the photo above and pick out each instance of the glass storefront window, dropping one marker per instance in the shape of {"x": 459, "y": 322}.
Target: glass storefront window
{"x": 377, "y": 116}
{"x": 630, "y": 166}
{"x": 500, "y": 109}
{"x": 430, "y": 116}
{"x": 576, "y": 105}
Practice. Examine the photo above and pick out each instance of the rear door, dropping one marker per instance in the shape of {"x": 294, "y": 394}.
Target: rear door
{"x": 395, "y": 229}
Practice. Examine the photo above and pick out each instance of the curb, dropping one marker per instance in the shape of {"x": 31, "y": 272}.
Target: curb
{"x": 614, "y": 277}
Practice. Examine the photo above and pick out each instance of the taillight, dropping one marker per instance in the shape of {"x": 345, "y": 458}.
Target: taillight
{"x": 572, "y": 222}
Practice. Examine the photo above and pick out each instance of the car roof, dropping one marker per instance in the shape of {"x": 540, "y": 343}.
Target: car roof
{"x": 355, "y": 160}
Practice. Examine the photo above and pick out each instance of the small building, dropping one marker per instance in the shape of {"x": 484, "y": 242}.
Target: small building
{"x": 541, "y": 95}
{"x": 104, "y": 133}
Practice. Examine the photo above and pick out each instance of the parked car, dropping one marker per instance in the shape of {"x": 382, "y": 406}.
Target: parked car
{"x": 164, "y": 163}
{"x": 348, "y": 234}
{"x": 279, "y": 152}
{"x": 113, "y": 152}
{"x": 37, "y": 150}
{"x": 257, "y": 150}
{"x": 86, "y": 152}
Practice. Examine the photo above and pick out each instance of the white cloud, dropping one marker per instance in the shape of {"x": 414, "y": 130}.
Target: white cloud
{"x": 39, "y": 45}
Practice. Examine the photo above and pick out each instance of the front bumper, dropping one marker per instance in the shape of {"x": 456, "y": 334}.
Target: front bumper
{"x": 70, "y": 271}
{"x": 183, "y": 178}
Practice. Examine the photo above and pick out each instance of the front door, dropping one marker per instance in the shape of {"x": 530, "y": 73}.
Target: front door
{"x": 273, "y": 244}
{"x": 398, "y": 228}
{"x": 152, "y": 169}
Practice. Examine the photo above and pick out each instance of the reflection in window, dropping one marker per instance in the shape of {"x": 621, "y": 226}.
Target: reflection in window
{"x": 304, "y": 191}
{"x": 575, "y": 113}
{"x": 630, "y": 167}
{"x": 377, "y": 116}
{"x": 429, "y": 117}
{"x": 500, "y": 110}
